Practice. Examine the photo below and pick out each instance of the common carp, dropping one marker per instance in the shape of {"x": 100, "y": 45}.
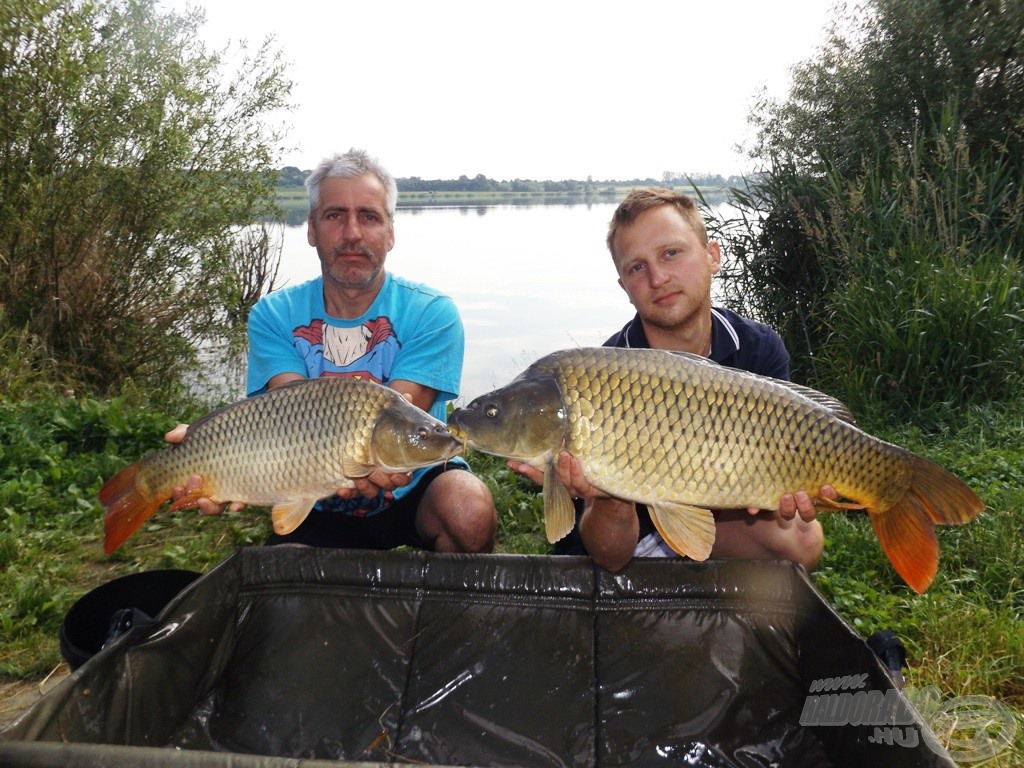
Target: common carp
{"x": 685, "y": 435}
{"x": 285, "y": 448}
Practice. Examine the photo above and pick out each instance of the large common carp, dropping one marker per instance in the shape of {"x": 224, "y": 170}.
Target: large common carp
{"x": 685, "y": 435}
{"x": 285, "y": 448}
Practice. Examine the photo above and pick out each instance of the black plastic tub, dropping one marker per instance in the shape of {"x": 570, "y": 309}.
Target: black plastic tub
{"x": 111, "y": 609}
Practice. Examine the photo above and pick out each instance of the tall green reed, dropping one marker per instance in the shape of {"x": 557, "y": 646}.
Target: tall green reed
{"x": 930, "y": 307}
{"x": 900, "y": 288}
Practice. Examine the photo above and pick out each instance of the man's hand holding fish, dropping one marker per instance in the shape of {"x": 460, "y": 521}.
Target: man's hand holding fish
{"x": 368, "y": 486}
{"x": 611, "y": 527}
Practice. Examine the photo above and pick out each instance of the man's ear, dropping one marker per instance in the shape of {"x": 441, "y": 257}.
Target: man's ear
{"x": 714, "y": 255}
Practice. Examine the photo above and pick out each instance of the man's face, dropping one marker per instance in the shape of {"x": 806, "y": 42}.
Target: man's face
{"x": 351, "y": 231}
{"x": 664, "y": 268}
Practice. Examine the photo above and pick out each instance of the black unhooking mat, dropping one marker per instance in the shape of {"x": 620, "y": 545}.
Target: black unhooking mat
{"x": 289, "y": 655}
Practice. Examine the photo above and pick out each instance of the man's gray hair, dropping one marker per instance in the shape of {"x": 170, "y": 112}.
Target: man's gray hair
{"x": 352, "y": 164}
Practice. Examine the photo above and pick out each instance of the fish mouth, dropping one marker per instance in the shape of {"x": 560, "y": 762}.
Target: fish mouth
{"x": 461, "y": 436}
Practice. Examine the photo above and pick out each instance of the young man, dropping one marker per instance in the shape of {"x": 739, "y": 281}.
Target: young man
{"x": 359, "y": 320}
{"x": 665, "y": 263}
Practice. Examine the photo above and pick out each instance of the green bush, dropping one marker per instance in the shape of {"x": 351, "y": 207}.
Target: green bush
{"x": 132, "y": 166}
{"x": 901, "y": 288}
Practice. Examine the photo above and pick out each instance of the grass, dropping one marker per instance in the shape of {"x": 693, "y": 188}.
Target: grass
{"x": 964, "y": 636}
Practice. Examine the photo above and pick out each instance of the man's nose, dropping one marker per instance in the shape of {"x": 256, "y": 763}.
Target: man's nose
{"x": 657, "y": 276}
{"x": 352, "y": 230}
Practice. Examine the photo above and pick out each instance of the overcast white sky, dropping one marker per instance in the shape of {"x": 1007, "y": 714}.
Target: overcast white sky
{"x": 536, "y": 89}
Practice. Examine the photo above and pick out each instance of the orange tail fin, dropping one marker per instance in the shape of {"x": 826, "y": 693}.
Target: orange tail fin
{"x": 127, "y": 508}
{"x": 908, "y": 539}
{"x": 906, "y": 531}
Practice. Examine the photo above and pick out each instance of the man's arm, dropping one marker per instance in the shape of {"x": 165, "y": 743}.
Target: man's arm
{"x": 417, "y": 394}
{"x": 767, "y": 536}
{"x": 283, "y": 378}
{"x": 610, "y": 530}
{"x": 609, "y": 527}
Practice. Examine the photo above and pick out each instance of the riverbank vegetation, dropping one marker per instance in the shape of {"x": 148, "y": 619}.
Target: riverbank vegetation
{"x": 881, "y": 234}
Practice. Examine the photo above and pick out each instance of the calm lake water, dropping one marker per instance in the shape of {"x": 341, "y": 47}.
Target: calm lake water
{"x": 527, "y": 280}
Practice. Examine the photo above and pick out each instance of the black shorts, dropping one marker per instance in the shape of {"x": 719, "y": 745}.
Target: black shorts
{"x": 392, "y": 527}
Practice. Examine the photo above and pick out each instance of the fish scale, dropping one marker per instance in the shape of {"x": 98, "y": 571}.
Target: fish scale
{"x": 684, "y": 435}
{"x": 286, "y": 448}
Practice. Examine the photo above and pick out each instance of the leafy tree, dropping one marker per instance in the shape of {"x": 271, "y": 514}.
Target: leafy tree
{"x": 884, "y": 234}
{"x": 889, "y": 74}
{"x": 130, "y": 169}
{"x": 292, "y": 177}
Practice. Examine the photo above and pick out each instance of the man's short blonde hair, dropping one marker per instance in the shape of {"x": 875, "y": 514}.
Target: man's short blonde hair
{"x": 646, "y": 198}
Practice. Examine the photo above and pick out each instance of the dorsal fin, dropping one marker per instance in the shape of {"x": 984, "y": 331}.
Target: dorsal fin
{"x": 837, "y": 407}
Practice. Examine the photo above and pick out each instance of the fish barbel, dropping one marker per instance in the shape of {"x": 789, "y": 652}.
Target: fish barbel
{"x": 285, "y": 448}
{"x": 685, "y": 435}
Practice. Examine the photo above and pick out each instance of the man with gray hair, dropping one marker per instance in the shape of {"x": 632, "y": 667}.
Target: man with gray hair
{"x": 359, "y": 320}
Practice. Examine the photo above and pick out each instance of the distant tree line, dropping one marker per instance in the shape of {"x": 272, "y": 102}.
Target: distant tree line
{"x": 294, "y": 177}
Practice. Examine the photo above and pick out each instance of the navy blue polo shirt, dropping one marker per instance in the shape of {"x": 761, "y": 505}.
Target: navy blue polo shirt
{"x": 735, "y": 341}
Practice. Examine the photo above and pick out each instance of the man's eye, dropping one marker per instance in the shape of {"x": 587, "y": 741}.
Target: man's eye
{"x": 635, "y": 268}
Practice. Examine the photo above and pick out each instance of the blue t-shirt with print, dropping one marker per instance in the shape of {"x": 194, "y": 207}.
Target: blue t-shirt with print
{"x": 410, "y": 332}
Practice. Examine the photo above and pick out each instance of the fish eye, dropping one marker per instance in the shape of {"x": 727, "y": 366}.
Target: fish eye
{"x": 491, "y": 411}
{"x": 422, "y": 432}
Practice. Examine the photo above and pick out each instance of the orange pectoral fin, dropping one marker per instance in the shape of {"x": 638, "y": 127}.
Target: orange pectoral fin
{"x": 821, "y": 504}
{"x": 127, "y": 508}
{"x": 191, "y": 498}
